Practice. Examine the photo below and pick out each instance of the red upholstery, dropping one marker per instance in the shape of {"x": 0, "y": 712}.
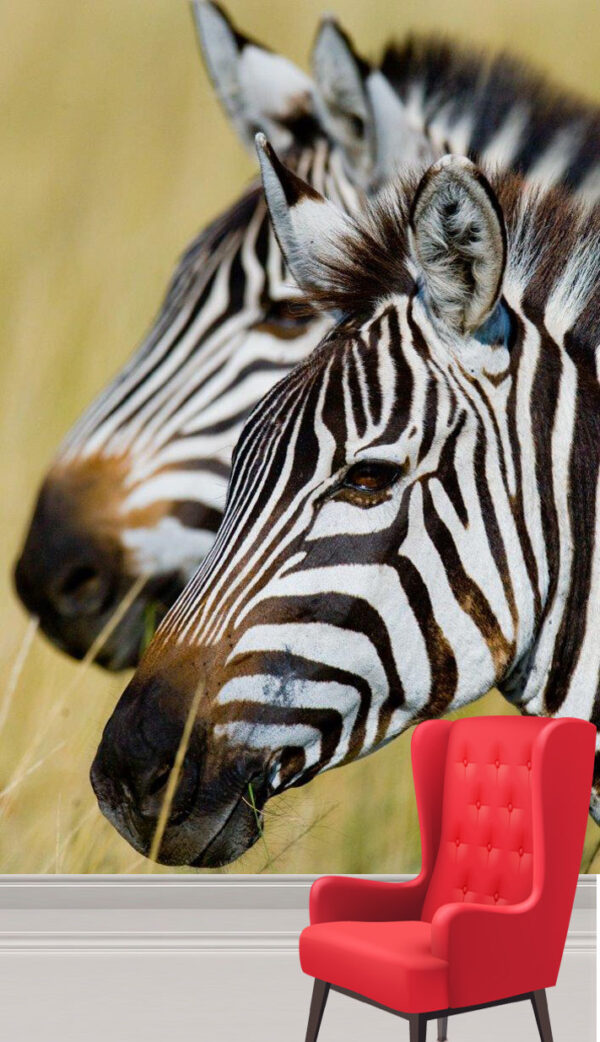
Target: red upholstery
{"x": 503, "y": 804}
{"x": 485, "y": 851}
{"x": 380, "y": 960}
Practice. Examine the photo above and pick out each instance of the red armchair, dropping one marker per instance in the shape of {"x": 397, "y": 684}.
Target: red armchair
{"x": 503, "y": 805}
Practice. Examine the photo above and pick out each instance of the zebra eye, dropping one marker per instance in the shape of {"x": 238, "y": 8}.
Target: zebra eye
{"x": 371, "y": 476}
{"x": 285, "y": 319}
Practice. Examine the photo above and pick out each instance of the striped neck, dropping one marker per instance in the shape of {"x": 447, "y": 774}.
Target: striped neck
{"x": 560, "y": 673}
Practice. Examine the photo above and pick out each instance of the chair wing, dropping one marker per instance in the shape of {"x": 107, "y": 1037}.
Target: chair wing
{"x": 334, "y": 898}
{"x": 519, "y": 945}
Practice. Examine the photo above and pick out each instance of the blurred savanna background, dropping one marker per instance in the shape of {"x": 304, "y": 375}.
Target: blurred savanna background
{"x": 114, "y": 154}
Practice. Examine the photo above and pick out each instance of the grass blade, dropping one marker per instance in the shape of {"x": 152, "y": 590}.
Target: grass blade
{"x": 17, "y": 669}
{"x": 174, "y": 775}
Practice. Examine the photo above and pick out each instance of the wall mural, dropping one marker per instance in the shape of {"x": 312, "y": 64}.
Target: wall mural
{"x": 347, "y": 482}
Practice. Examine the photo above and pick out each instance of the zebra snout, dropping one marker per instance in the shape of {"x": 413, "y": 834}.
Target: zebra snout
{"x": 154, "y": 771}
{"x": 131, "y": 795}
{"x": 72, "y": 581}
{"x": 147, "y": 757}
{"x": 67, "y": 568}
{"x": 70, "y": 572}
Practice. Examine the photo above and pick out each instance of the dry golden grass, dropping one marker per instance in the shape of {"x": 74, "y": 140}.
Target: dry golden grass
{"x": 114, "y": 154}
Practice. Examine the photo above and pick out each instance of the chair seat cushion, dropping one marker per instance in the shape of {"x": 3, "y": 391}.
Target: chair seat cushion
{"x": 390, "y": 963}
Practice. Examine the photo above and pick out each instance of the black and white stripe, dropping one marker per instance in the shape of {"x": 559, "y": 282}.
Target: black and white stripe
{"x": 499, "y": 110}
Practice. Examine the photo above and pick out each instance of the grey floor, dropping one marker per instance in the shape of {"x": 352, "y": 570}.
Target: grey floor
{"x": 251, "y": 996}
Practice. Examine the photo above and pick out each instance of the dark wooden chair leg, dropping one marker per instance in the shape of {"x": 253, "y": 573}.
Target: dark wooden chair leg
{"x": 317, "y": 1007}
{"x": 542, "y": 1016}
{"x": 442, "y": 1029}
{"x": 418, "y": 1027}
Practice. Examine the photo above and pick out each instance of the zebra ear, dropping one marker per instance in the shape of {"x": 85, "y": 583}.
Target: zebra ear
{"x": 361, "y": 112}
{"x": 458, "y": 240}
{"x": 342, "y": 99}
{"x": 258, "y": 89}
{"x": 307, "y": 226}
{"x": 400, "y": 143}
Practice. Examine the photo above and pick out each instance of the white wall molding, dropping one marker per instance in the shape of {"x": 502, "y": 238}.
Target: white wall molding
{"x": 159, "y": 891}
{"x": 199, "y": 913}
{"x": 579, "y": 942}
{"x": 95, "y": 941}
{"x": 194, "y": 890}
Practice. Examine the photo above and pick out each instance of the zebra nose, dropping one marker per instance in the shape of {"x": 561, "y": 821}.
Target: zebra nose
{"x": 144, "y": 760}
{"x": 80, "y": 589}
{"x": 68, "y": 569}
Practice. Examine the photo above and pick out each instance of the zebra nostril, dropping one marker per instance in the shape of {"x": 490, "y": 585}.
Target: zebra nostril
{"x": 152, "y": 791}
{"x": 81, "y": 589}
{"x": 159, "y": 781}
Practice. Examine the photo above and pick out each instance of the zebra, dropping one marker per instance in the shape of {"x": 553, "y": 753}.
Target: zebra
{"x": 412, "y": 512}
{"x": 138, "y": 485}
{"x": 137, "y": 488}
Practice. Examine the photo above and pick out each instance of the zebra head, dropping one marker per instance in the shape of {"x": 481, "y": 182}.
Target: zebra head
{"x": 137, "y": 488}
{"x": 409, "y": 514}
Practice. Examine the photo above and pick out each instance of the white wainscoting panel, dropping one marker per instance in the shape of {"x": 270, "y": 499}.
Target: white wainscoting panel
{"x": 149, "y": 958}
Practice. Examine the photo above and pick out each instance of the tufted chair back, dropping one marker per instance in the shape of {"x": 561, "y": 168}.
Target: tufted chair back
{"x": 486, "y": 851}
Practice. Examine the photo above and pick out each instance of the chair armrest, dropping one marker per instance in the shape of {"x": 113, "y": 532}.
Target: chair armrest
{"x": 456, "y": 926}
{"x": 338, "y": 898}
{"x": 496, "y": 951}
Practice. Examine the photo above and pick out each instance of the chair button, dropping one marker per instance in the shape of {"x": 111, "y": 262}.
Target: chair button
{"x": 497, "y": 763}
{"x": 457, "y": 841}
{"x": 496, "y": 896}
{"x": 529, "y": 765}
{"x": 489, "y": 846}
{"x": 464, "y": 889}
{"x": 509, "y": 808}
{"x": 520, "y": 851}
{"x": 478, "y": 804}
{"x": 465, "y": 761}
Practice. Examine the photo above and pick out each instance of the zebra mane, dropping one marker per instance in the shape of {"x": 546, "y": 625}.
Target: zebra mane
{"x": 234, "y": 219}
{"x": 487, "y": 88}
{"x": 553, "y": 258}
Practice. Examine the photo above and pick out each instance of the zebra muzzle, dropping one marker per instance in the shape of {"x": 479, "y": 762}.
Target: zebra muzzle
{"x": 213, "y": 793}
